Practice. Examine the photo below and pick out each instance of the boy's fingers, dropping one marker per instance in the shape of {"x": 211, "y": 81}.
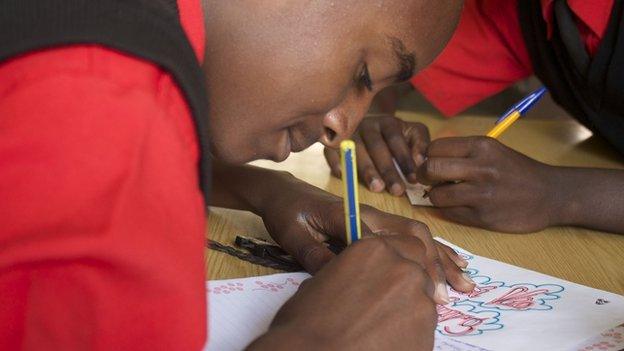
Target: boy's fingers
{"x": 433, "y": 264}
{"x": 453, "y": 255}
{"x": 413, "y": 250}
{"x": 419, "y": 139}
{"x": 459, "y": 280}
{"x": 312, "y": 254}
{"x": 332, "y": 157}
{"x": 366, "y": 169}
{"x": 382, "y": 158}
{"x": 398, "y": 145}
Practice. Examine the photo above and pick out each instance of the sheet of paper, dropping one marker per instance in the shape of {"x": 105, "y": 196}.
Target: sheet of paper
{"x": 517, "y": 309}
{"x": 511, "y": 309}
{"x": 416, "y": 193}
{"x": 240, "y": 310}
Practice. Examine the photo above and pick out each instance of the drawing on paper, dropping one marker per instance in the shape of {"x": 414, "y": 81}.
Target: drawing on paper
{"x": 484, "y": 309}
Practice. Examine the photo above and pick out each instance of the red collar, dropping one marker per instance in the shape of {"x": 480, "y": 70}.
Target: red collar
{"x": 593, "y": 14}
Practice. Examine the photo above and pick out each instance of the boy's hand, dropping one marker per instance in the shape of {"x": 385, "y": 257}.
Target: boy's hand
{"x": 303, "y": 217}
{"x": 378, "y": 140}
{"x": 375, "y": 295}
{"x": 479, "y": 181}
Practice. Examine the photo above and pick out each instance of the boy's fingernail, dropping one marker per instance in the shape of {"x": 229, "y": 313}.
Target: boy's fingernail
{"x": 463, "y": 263}
{"x": 467, "y": 278}
{"x": 419, "y": 159}
{"x": 376, "y": 185}
{"x": 395, "y": 189}
{"x": 441, "y": 293}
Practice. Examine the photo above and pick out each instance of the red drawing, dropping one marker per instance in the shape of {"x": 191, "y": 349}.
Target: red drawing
{"x": 464, "y": 324}
{"x": 519, "y": 298}
{"x": 477, "y": 291}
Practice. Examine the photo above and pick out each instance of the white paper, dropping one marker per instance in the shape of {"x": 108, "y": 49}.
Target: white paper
{"x": 511, "y": 309}
{"x": 517, "y": 309}
{"x": 416, "y": 193}
{"x": 240, "y": 310}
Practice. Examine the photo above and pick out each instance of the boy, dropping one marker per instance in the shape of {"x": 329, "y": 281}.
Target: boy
{"x": 574, "y": 47}
{"x": 101, "y": 134}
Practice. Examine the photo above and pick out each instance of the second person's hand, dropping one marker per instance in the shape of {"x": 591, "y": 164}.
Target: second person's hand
{"x": 479, "y": 181}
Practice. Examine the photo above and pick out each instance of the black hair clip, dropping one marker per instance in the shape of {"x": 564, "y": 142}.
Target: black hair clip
{"x": 258, "y": 251}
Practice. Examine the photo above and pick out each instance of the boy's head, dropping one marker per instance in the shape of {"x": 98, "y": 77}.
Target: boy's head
{"x": 283, "y": 74}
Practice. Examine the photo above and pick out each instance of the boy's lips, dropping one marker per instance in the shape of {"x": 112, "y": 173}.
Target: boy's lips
{"x": 291, "y": 142}
{"x": 300, "y": 140}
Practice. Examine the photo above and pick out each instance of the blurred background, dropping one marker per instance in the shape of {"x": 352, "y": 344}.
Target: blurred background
{"x": 410, "y": 99}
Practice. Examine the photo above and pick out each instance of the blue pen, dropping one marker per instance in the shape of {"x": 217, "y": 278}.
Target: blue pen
{"x": 525, "y": 104}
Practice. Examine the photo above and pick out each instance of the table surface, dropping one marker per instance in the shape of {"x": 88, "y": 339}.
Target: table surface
{"x": 579, "y": 255}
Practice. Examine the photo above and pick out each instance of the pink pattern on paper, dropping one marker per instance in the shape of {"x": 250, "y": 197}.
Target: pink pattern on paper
{"x": 227, "y": 288}
{"x": 274, "y": 287}
{"x": 610, "y": 340}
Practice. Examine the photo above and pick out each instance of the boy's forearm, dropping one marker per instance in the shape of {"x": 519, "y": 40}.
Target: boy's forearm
{"x": 246, "y": 187}
{"x": 589, "y": 197}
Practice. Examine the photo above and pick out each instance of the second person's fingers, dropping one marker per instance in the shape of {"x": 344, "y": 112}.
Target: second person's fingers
{"x": 454, "y": 194}
{"x": 442, "y": 169}
{"x": 461, "y": 214}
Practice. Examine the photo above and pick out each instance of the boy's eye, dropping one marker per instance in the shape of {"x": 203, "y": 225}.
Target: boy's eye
{"x": 365, "y": 79}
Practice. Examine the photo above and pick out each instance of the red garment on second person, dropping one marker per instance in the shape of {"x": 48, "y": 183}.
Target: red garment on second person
{"x": 487, "y": 52}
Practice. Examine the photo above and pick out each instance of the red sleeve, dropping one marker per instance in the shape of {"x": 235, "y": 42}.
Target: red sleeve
{"x": 101, "y": 245}
{"x": 485, "y": 55}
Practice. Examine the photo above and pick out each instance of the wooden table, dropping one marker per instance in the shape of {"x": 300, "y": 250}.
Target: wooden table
{"x": 584, "y": 256}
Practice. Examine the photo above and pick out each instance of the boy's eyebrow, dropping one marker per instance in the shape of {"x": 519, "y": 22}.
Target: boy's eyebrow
{"x": 406, "y": 61}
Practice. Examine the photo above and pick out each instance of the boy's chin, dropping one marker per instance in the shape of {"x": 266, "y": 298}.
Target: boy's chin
{"x": 229, "y": 156}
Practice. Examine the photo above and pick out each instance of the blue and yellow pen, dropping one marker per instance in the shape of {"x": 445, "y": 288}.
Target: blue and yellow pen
{"x": 350, "y": 186}
{"x": 515, "y": 112}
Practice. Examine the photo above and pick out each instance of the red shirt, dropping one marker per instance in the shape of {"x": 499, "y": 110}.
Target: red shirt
{"x": 101, "y": 216}
{"x": 487, "y": 52}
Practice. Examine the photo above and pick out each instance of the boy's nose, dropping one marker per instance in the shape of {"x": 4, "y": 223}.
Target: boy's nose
{"x": 336, "y": 128}
{"x": 341, "y": 122}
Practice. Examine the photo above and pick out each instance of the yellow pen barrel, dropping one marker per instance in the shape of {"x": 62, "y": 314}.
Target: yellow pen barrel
{"x": 350, "y": 186}
{"x": 503, "y": 125}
